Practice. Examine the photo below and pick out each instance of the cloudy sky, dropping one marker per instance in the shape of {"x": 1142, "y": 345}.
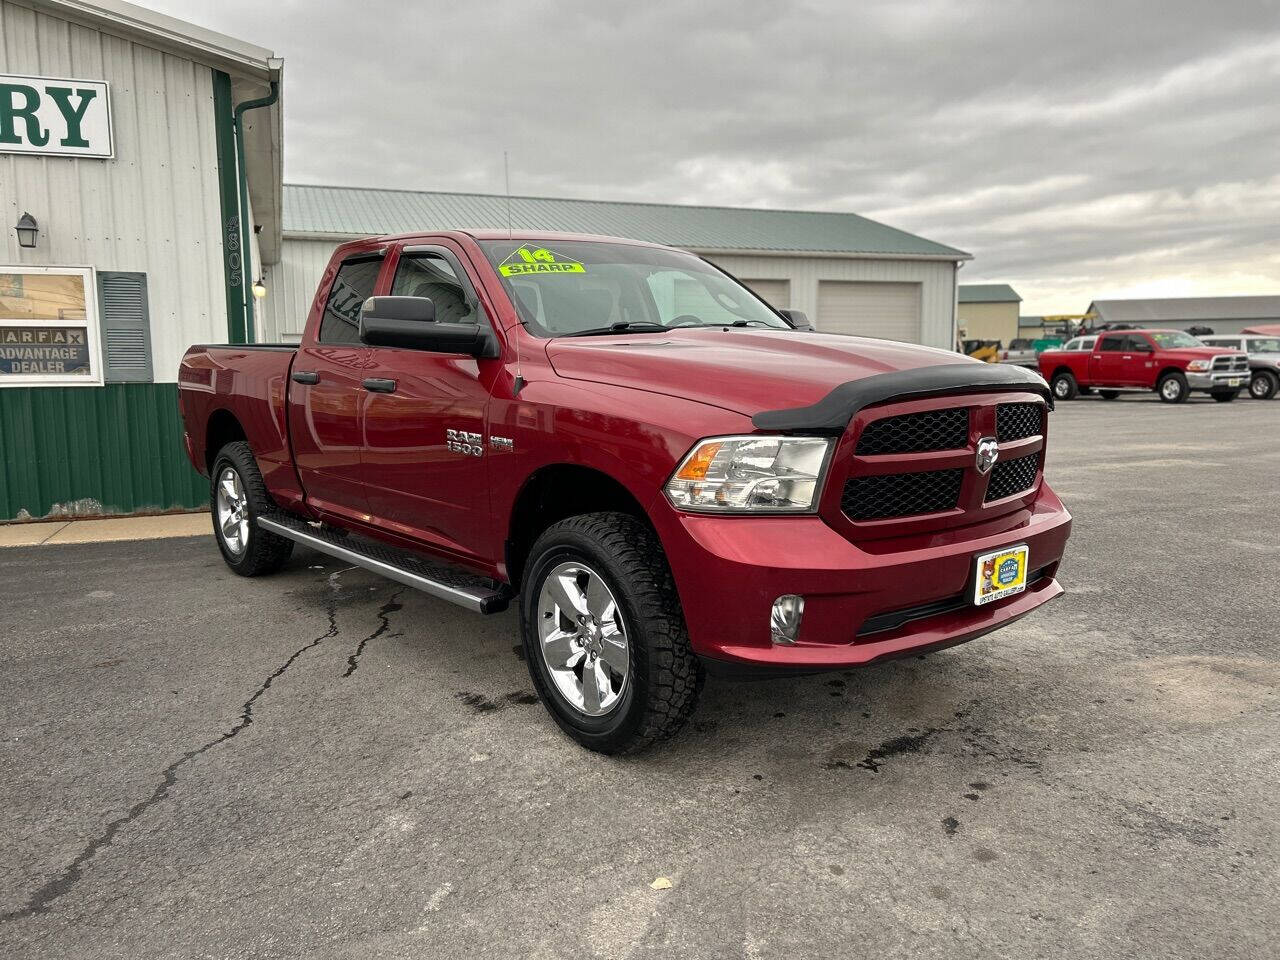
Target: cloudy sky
{"x": 1079, "y": 150}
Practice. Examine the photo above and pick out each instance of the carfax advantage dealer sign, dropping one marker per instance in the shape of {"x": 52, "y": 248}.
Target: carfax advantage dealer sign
{"x": 55, "y": 118}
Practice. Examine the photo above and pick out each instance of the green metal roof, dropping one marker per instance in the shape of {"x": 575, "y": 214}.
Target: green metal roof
{"x": 967, "y": 292}
{"x": 358, "y": 211}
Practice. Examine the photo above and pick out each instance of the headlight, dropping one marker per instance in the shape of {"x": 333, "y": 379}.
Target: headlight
{"x": 1199, "y": 365}
{"x": 751, "y": 474}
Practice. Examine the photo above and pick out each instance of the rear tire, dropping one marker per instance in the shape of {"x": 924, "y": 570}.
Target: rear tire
{"x": 1172, "y": 388}
{"x": 237, "y": 497}
{"x": 1264, "y": 384}
{"x": 625, "y": 632}
{"x": 1224, "y": 396}
{"x": 1064, "y": 386}
{"x": 1108, "y": 394}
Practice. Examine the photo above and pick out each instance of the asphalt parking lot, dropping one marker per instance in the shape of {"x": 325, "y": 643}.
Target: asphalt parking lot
{"x": 323, "y": 764}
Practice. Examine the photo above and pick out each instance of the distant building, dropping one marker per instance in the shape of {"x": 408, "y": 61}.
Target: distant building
{"x": 1222, "y": 314}
{"x": 847, "y": 273}
{"x": 988, "y": 311}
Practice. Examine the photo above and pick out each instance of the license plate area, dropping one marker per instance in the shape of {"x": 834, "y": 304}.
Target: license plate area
{"x": 1000, "y": 574}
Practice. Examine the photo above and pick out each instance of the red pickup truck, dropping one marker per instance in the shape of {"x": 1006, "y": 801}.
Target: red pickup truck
{"x": 1170, "y": 362}
{"x": 663, "y": 472}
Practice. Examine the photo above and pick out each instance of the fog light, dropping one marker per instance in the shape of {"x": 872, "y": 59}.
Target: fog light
{"x": 784, "y": 621}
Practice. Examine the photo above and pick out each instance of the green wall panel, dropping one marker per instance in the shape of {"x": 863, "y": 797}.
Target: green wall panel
{"x": 94, "y": 450}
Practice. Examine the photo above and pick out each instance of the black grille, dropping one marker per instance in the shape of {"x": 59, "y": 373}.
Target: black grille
{"x": 1017, "y": 421}
{"x": 914, "y": 432}
{"x": 1012, "y": 476}
{"x": 901, "y": 494}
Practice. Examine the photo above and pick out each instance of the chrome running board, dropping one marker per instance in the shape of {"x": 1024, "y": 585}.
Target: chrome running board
{"x": 444, "y": 581}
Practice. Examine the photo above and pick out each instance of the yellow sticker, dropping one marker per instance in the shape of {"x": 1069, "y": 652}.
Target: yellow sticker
{"x": 526, "y": 260}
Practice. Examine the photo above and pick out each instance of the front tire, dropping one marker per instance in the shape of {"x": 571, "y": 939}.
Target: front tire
{"x": 1264, "y": 384}
{"x": 237, "y": 497}
{"x": 1064, "y": 386}
{"x": 604, "y": 635}
{"x": 1172, "y": 388}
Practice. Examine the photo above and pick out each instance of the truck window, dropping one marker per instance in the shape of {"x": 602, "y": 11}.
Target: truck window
{"x": 1138, "y": 344}
{"x": 1113, "y": 344}
{"x": 340, "y": 322}
{"x": 570, "y": 286}
{"x": 432, "y": 276}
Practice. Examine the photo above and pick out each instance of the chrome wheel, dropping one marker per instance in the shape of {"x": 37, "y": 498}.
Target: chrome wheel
{"x": 1260, "y": 388}
{"x": 232, "y": 505}
{"x": 583, "y": 639}
{"x": 1171, "y": 389}
{"x": 1061, "y": 388}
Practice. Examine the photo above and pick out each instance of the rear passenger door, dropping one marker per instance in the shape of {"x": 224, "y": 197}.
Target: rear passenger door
{"x": 426, "y": 444}
{"x": 1108, "y": 360}
{"x": 327, "y": 393}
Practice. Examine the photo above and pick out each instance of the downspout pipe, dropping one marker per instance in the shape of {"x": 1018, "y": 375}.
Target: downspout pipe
{"x": 275, "y": 65}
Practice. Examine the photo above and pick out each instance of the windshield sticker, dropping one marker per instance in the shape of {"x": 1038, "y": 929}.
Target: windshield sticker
{"x": 527, "y": 259}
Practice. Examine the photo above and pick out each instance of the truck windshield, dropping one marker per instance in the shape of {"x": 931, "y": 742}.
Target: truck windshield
{"x": 1172, "y": 340}
{"x": 562, "y": 288}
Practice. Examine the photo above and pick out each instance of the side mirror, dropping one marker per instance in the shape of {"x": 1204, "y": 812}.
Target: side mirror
{"x": 797, "y": 319}
{"x": 410, "y": 323}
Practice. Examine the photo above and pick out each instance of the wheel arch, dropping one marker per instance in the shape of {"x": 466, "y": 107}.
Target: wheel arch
{"x": 223, "y": 428}
{"x": 555, "y": 492}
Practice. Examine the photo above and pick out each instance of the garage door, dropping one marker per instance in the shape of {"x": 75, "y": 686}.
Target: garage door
{"x": 887, "y": 310}
{"x": 776, "y": 293}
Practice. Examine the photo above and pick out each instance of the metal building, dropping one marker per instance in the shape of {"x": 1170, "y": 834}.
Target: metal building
{"x": 988, "y": 311}
{"x": 126, "y": 214}
{"x": 848, "y": 273}
{"x": 1221, "y": 314}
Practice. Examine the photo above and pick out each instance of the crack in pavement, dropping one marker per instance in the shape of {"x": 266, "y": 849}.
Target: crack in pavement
{"x": 61, "y": 884}
{"x": 388, "y": 608}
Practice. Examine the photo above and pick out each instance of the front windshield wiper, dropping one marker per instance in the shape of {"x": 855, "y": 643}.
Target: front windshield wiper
{"x": 626, "y": 326}
{"x": 747, "y": 323}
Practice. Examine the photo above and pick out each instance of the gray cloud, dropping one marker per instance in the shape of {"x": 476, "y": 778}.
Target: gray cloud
{"x": 1078, "y": 150}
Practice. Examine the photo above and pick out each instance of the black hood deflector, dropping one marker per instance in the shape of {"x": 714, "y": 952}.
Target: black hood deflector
{"x": 833, "y": 412}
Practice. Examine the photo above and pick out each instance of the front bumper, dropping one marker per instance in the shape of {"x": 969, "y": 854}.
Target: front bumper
{"x": 1218, "y": 380}
{"x": 729, "y": 570}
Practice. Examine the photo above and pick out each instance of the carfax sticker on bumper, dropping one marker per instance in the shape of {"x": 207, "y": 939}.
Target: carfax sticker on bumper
{"x": 1001, "y": 574}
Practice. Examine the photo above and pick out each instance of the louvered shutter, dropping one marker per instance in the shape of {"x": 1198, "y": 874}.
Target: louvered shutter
{"x": 126, "y": 326}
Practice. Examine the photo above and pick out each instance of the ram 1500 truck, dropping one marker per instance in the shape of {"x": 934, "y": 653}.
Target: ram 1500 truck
{"x": 1170, "y": 362}
{"x": 665, "y": 474}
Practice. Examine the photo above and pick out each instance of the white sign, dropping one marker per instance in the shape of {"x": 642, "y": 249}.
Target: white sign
{"x": 55, "y": 118}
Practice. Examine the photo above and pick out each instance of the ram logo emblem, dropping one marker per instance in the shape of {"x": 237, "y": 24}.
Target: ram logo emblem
{"x": 988, "y": 454}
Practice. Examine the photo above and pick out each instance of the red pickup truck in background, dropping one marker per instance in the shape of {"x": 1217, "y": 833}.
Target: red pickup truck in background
{"x": 1170, "y": 362}
{"x": 660, "y": 469}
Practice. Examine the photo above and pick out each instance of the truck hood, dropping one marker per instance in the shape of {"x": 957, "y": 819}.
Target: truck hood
{"x": 746, "y": 370}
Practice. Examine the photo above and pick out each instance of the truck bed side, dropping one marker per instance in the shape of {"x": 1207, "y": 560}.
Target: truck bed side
{"x": 228, "y": 393}
{"x": 1075, "y": 361}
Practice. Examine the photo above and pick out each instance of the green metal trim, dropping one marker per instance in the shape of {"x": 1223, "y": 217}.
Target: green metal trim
{"x": 250, "y": 308}
{"x": 88, "y": 451}
{"x": 228, "y": 196}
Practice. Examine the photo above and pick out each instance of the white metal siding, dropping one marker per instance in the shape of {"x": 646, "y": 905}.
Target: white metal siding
{"x": 890, "y": 311}
{"x": 936, "y": 279}
{"x": 154, "y": 208}
{"x": 775, "y": 292}
{"x": 291, "y": 284}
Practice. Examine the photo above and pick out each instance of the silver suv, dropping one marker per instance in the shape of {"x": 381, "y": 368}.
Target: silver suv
{"x": 1264, "y": 359}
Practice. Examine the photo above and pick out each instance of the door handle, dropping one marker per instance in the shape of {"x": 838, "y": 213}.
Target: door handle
{"x": 304, "y": 376}
{"x": 380, "y": 385}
